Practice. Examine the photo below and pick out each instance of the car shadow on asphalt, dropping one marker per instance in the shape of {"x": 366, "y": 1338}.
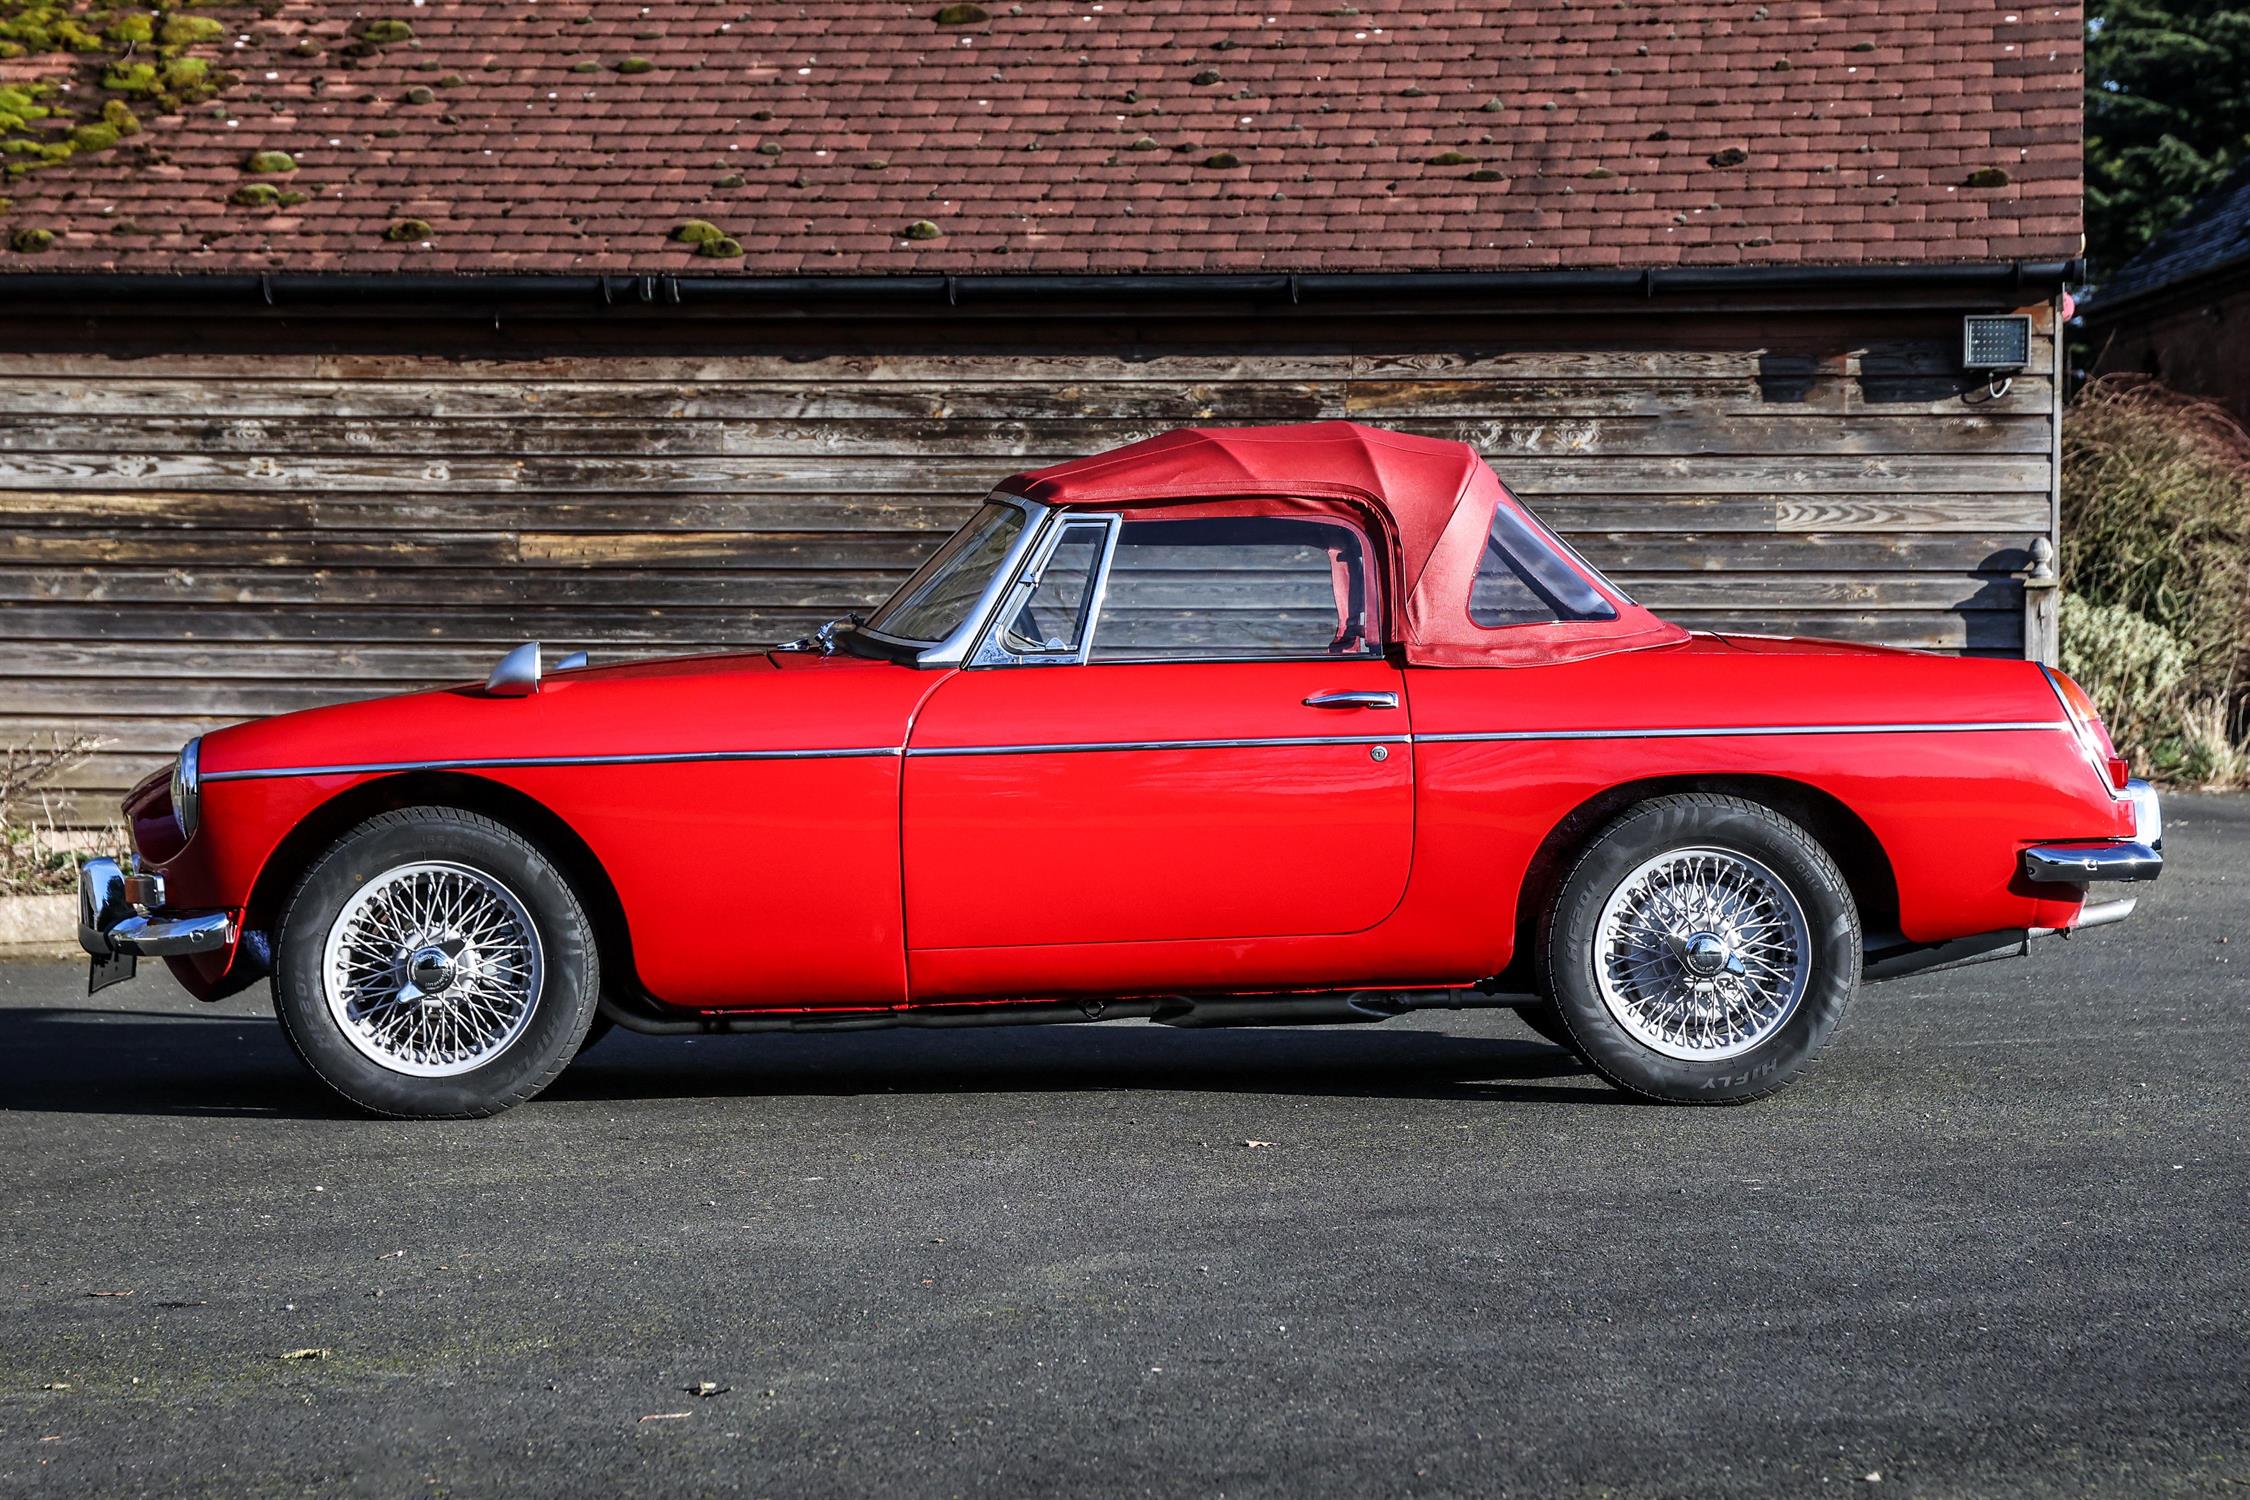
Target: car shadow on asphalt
{"x": 55, "y": 1059}
{"x": 1392, "y": 1061}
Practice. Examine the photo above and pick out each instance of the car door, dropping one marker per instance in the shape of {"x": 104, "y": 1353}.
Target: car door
{"x": 1183, "y": 730}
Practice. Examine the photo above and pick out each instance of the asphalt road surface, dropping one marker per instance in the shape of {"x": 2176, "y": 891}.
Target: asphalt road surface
{"x": 1994, "y": 1246}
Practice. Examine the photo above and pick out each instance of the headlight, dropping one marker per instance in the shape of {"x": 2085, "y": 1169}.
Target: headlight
{"x": 187, "y": 788}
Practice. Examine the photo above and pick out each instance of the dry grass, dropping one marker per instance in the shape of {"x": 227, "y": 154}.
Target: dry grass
{"x": 2156, "y": 558}
{"x": 34, "y": 860}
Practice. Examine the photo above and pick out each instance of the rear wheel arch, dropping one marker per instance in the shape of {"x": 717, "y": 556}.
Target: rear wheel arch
{"x": 1858, "y": 853}
{"x": 518, "y": 811}
{"x": 1704, "y": 950}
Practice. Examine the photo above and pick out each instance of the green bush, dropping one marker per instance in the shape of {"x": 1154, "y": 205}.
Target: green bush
{"x": 2156, "y": 563}
{"x": 2134, "y": 670}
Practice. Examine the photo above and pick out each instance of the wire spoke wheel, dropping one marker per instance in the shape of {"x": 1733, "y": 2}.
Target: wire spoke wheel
{"x": 1702, "y": 954}
{"x": 432, "y": 969}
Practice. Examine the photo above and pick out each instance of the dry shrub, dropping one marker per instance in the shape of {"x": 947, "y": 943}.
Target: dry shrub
{"x": 32, "y": 861}
{"x": 2210, "y": 756}
{"x": 2156, "y": 559}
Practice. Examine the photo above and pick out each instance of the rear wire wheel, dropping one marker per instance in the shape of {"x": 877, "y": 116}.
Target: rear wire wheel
{"x": 1702, "y": 950}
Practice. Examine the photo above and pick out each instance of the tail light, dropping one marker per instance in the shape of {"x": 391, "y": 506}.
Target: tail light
{"x": 2086, "y": 720}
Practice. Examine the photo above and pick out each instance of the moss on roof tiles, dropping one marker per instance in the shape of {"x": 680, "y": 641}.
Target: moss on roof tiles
{"x": 83, "y": 51}
{"x": 648, "y": 138}
{"x": 186, "y": 31}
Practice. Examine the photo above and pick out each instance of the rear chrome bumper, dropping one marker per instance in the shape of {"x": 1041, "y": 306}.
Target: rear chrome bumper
{"x": 2087, "y": 864}
{"x": 2097, "y": 860}
{"x": 123, "y": 915}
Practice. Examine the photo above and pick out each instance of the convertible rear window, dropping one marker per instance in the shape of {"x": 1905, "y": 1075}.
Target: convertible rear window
{"x": 1525, "y": 579}
{"x": 1236, "y": 586}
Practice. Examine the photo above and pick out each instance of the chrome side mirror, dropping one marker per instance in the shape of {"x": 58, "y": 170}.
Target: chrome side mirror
{"x": 517, "y": 675}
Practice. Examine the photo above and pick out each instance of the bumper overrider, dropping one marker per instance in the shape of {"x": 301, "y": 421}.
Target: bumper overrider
{"x": 2100, "y": 861}
{"x": 122, "y": 918}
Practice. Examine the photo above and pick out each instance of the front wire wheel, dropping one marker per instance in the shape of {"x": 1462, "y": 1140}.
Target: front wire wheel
{"x": 435, "y": 964}
{"x": 1703, "y": 949}
{"x": 432, "y": 969}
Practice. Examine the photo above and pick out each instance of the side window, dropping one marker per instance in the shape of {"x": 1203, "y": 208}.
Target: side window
{"x": 1052, "y": 620}
{"x": 1247, "y": 586}
{"x": 1523, "y": 579}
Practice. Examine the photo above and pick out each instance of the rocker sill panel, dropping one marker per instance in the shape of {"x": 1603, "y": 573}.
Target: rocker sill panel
{"x": 373, "y": 768}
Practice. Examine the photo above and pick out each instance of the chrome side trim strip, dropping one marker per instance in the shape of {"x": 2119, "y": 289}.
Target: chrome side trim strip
{"x": 1726, "y": 733}
{"x": 686, "y": 757}
{"x": 938, "y": 751}
{"x": 528, "y": 762}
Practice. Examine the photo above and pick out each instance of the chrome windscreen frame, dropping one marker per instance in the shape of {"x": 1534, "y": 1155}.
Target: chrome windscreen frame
{"x": 955, "y": 649}
{"x": 991, "y": 649}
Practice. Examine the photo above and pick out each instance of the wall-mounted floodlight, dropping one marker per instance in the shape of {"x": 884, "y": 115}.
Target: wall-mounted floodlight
{"x": 1999, "y": 344}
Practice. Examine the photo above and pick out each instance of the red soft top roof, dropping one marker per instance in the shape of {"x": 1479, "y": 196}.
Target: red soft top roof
{"x": 1431, "y": 497}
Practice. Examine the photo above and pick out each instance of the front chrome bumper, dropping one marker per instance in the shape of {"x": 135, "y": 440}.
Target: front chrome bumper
{"x": 2097, "y": 860}
{"x": 121, "y": 917}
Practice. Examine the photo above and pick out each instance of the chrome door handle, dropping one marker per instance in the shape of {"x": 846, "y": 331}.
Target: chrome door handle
{"x": 1352, "y": 700}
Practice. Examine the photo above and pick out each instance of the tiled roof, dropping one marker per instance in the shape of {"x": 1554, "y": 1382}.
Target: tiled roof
{"x": 1096, "y": 136}
{"x": 2213, "y": 234}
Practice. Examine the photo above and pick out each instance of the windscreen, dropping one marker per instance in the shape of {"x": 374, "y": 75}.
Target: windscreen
{"x": 937, "y": 600}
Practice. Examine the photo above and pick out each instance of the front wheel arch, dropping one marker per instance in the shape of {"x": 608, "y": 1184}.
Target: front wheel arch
{"x": 1832, "y": 824}
{"x": 518, "y": 811}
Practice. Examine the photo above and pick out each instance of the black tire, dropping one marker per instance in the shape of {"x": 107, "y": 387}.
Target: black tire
{"x": 601, "y": 1027}
{"x": 1690, "y": 821}
{"x": 562, "y": 1007}
{"x": 1542, "y": 1017}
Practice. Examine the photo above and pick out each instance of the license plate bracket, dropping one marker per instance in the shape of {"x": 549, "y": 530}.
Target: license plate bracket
{"x": 107, "y": 969}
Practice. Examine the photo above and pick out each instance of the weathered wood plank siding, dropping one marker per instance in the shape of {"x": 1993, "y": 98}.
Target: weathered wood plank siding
{"x": 194, "y": 538}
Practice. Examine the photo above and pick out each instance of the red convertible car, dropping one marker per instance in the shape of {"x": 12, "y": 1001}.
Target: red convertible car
{"x": 1248, "y": 726}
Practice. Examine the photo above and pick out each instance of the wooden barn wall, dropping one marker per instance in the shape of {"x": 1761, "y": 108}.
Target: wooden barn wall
{"x": 203, "y": 529}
